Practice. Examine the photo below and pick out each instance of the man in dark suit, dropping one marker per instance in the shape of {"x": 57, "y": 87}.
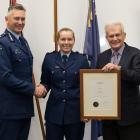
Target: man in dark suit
{"x": 16, "y": 87}
{"x": 60, "y": 74}
{"x": 125, "y": 58}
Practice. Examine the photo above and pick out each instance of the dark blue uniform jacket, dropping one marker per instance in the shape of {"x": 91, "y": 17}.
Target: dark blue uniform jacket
{"x": 16, "y": 88}
{"x": 63, "y": 106}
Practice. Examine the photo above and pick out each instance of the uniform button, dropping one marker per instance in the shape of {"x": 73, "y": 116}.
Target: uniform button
{"x": 52, "y": 72}
{"x": 64, "y": 81}
{"x": 19, "y": 60}
{"x": 64, "y": 91}
{"x": 64, "y": 72}
{"x": 64, "y": 100}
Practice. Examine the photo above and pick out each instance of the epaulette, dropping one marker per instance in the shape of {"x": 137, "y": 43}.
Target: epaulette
{"x": 54, "y": 52}
{"x": 2, "y": 35}
{"x": 90, "y": 57}
{"x": 77, "y": 52}
{"x": 51, "y": 52}
{"x": 47, "y": 53}
{"x": 81, "y": 53}
{"x": 85, "y": 54}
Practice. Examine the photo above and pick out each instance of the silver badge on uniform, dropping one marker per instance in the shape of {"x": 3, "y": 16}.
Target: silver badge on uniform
{"x": 57, "y": 67}
{"x": 17, "y": 51}
{"x": 1, "y": 50}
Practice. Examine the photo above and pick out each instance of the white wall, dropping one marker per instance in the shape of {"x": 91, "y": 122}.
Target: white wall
{"x": 126, "y": 11}
{"x": 73, "y": 14}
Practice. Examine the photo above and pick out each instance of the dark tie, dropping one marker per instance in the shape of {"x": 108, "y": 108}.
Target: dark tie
{"x": 23, "y": 43}
{"x": 64, "y": 59}
{"x": 115, "y": 58}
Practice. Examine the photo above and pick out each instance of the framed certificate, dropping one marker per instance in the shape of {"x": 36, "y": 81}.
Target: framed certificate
{"x": 99, "y": 94}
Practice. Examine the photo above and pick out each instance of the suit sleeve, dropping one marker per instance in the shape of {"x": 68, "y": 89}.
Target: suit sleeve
{"x": 100, "y": 62}
{"x": 132, "y": 73}
{"x": 45, "y": 75}
{"x": 7, "y": 77}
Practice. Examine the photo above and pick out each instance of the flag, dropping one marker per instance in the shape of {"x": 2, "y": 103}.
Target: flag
{"x": 92, "y": 49}
{"x": 92, "y": 45}
{"x": 96, "y": 129}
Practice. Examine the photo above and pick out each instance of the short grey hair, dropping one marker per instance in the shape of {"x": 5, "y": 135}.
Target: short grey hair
{"x": 114, "y": 24}
{"x": 17, "y": 6}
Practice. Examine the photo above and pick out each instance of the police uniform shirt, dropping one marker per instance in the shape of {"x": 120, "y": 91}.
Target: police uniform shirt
{"x": 65, "y": 56}
{"x": 14, "y": 34}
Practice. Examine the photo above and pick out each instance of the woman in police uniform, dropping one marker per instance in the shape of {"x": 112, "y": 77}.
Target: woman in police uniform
{"x": 60, "y": 74}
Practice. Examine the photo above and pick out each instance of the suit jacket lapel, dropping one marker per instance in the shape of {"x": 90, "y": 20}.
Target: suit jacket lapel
{"x": 108, "y": 58}
{"x": 124, "y": 55}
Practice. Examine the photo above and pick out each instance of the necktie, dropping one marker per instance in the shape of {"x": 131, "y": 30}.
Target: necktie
{"x": 115, "y": 58}
{"x": 23, "y": 43}
{"x": 64, "y": 59}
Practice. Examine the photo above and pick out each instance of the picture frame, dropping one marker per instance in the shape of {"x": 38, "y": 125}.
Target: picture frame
{"x": 100, "y": 94}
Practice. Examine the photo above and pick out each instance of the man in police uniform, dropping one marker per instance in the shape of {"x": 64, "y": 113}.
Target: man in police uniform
{"x": 60, "y": 74}
{"x": 16, "y": 87}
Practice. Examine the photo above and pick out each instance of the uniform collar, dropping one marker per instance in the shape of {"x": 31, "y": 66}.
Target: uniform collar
{"x": 14, "y": 34}
{"x": 68, "y": 54}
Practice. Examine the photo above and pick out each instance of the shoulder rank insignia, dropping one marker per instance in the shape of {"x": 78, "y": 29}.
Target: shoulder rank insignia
{"x": 51, "y": 52}
{"x": 77, "y": 52}
{"x": 54, "y": 51}
{"x": 2, "y": 35}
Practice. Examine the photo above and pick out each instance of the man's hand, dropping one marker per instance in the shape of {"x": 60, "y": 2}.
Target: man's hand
{"x": 108, "y": 67}
{"x": 40, "y": 91}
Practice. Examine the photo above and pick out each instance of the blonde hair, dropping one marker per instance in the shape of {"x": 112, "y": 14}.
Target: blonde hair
{"x": 64, "y": 29}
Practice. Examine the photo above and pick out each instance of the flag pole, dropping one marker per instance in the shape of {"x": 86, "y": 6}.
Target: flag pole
{"x": 55, "y": 25}
{"x": 13, "y": 2}
{"x": 39, "y": 112}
